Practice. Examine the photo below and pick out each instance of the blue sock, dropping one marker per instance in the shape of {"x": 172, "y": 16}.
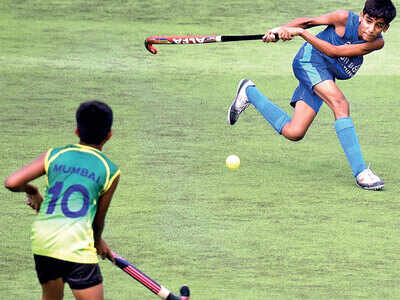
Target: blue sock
{"x": 348, "y": 139}
{"x": 272, "y": 113}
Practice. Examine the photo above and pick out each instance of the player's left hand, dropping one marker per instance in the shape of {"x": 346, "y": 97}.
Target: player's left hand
{"x": 269, "y": 36}
{"x": 284, "y": 33}
{"x": 34, "y": 201}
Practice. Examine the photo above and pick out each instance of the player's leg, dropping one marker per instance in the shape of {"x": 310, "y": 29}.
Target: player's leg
{"x": 334, "y": 98}
{"x": 292, "y": 128}
{"x": 53, "y": 289}
{"x": 50, "y": 272}
{"x": 247, "y": 94}
{"x": 303, "y": 116}
{"x": 85, "y": 281}
{"x": 329, "y": 92}
{"x": 91, "y": 293}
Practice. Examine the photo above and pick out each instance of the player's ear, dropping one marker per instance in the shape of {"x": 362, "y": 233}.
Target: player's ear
{"x": 109, "y": 135}
{"x": 386, "y": 27}
{"x": 77, "y": 132}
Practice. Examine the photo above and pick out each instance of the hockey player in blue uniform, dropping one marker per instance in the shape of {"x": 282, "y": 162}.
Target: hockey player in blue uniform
{"x": 335, "y": 53}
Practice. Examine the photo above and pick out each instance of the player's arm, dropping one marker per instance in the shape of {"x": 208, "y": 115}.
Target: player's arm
{"x": 333, "y": 50}
{"x": 19, "y": 181}
{"x": 98, "y": 223}
{"x": 337, "y": 18}
{"x": 342, "y": 50}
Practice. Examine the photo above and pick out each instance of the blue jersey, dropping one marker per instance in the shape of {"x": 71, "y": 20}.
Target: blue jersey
{"x": 311, "y": 66}
{"x": 339, "y": 67}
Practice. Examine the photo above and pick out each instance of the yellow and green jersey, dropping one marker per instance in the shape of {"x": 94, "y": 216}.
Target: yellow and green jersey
{"x": 77, "y": 176}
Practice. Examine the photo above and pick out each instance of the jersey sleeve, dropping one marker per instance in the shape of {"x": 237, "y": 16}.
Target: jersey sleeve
{"x": 47, "y": 160}
{"x": 111, "y": 180}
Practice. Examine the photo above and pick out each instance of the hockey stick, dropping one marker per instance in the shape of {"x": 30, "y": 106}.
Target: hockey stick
{"x": 153, "y": 286}
{"x": 197, "y": 39}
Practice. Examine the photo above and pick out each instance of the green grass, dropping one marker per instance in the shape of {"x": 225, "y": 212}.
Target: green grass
{"x": 288, "y": 224}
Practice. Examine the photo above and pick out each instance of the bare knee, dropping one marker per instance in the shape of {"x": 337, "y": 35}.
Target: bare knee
{"x": 293, "y": 134}
{"x": 295, "y": 137}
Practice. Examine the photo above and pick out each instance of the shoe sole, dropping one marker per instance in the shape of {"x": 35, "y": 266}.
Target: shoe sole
{"x": 240, "y": 85}
{"x": 371, "y": 188}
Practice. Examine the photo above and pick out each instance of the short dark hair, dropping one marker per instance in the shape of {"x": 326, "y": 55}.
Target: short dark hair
{"x": 94, "y": 120}
{"x": 380, "y": 9}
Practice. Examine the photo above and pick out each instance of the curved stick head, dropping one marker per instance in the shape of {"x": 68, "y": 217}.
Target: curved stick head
{"x": 149, "y": 46}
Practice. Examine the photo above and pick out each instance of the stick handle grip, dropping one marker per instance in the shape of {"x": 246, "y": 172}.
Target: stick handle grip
{"x": 234, "y": 38}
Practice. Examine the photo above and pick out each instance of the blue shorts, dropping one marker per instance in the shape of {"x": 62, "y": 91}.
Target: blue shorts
{"x": 310, "y": 69}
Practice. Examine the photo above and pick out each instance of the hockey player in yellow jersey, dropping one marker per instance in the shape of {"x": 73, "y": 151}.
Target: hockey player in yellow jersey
{"x": 66, "y": 234}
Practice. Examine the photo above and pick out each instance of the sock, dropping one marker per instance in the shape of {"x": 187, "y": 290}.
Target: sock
{"x": 272, "y": 113}
{"x": 348, "y": 139}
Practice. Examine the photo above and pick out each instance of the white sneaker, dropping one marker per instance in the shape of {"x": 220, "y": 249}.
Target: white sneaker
{"x": 241, "y": 101}
{"x": 369, "y": 181}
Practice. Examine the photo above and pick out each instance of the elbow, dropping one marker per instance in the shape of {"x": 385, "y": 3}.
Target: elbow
{"x": 10, "y": 184}
{"x": 308, "y": 23}
{"x": 98, "y": 227}
{"x": 304, "y": 22}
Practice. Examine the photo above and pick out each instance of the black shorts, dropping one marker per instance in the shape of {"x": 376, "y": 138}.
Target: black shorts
{"x": 78, "y": 276}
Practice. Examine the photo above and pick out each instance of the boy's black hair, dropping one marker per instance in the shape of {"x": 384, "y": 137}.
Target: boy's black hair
{"x": 94, "y": 120}
{"x": 380, "y": 9}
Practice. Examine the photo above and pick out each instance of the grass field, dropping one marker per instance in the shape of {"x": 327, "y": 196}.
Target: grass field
{"x": 288, "y": 224}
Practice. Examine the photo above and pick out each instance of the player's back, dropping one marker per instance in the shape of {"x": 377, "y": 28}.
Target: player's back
{"x": 77, "y": 176}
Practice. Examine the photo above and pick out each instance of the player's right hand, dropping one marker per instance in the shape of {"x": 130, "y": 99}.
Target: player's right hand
{"x": 104, "y": 250}
{"x": 294, "y": 31}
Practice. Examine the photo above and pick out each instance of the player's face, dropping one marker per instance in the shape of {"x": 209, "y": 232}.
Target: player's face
{"x": 370, "y": 28}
